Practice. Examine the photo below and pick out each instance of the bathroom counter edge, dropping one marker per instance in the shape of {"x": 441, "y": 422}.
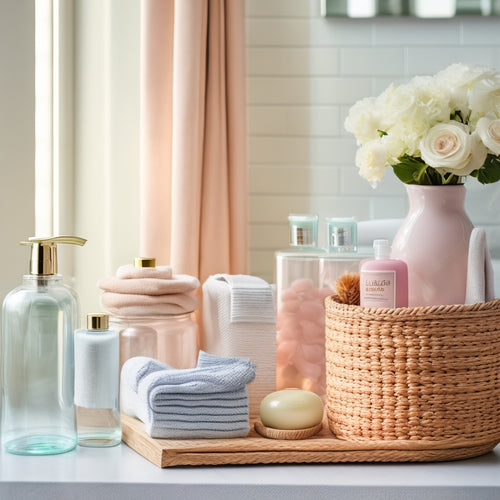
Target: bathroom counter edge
{"x": 121, "y": 473}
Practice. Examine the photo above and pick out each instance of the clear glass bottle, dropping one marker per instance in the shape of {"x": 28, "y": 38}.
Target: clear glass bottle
{"x": 38, "y": 323}
{"x": 97, "y": 383}
{"x": 300, "y": 336}
{"x": 343, "y": 255}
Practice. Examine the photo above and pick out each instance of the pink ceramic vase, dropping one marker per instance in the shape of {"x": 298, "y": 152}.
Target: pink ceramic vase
{"x": 434, "y": 242}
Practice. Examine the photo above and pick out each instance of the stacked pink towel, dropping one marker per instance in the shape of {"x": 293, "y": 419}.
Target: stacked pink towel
{"x": 148, "y": 291}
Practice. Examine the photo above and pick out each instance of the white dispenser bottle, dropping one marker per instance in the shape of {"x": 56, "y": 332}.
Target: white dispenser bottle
{"x": 97, "y": 364}
{"x": 38, "y": 322}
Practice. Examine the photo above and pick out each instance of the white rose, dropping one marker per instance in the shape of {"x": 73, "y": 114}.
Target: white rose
{"x": 395, "y": 102}
{"x": 477, "y": 158}
{"x": 488, "y": 129}
{"x": 363, "y": 120}
{"x": 484, "y": 96}
{"x": 412, "y": 109}
{"x": 447, "y": 146}
{"x": 473, "y": 89}
{"x": 371, "y": 158}
{"x": 394, "y": 148}
{"x": 457, "y": 79}
{"x": 432, "y": 100}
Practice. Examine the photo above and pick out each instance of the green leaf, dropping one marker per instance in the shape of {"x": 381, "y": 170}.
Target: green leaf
{"x": 381, "y": 133}
{"x": 411, "y": 170}
{"x": 457, "y": 116}
{"x": 489, "y": 172}
{"x": 404, "y": 172}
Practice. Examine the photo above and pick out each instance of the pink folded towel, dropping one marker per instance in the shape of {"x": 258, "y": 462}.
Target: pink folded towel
{"x": 121, "y": 304}
{"x": 179, "y": 283}
{"x": 129, "y": 271}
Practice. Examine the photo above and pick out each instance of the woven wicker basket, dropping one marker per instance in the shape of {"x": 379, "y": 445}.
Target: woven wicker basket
{"x": 414, "y": 374}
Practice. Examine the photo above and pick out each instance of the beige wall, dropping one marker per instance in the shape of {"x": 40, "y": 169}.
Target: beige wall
{"x": 106, "y": 145}
{"x": 17, "y": 138}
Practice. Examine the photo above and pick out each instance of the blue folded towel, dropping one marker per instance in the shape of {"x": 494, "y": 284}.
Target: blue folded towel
{"x": 209, "y": 401}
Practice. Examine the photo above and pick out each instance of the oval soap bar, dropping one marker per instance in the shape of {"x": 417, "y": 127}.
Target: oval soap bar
{"x": 291, "y": 409}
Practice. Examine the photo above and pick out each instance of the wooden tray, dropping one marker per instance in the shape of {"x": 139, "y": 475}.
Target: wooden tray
{"x": 321, "y": 448}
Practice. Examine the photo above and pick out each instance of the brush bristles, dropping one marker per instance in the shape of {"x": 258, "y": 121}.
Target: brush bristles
{"x": 347, "y": 287}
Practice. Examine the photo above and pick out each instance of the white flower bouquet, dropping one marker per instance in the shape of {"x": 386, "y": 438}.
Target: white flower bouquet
{"x": 433, "y": 130}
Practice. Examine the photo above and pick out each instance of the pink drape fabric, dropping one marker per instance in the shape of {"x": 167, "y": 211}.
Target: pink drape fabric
{"x": 194, "y": 181}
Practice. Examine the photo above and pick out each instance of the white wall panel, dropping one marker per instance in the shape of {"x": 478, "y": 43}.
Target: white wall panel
{"x": 304, "y": 73}
{"x": 294, "y": 120}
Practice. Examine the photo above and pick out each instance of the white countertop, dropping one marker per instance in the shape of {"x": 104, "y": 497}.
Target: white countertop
{"x": 120, "y": 473}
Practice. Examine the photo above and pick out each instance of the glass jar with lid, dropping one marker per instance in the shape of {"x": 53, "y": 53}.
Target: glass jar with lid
{"x": 169, "y": 338}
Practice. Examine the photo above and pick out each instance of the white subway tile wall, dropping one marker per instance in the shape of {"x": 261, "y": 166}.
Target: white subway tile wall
{"x": 304, "y": 73}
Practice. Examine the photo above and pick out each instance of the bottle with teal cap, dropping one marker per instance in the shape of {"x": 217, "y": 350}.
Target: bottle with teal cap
{"x": 37, "y": 357}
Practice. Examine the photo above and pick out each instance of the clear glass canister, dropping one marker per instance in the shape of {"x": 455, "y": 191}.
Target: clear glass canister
{"x": 169, "y": 338}
{"x": 300, "y": 324}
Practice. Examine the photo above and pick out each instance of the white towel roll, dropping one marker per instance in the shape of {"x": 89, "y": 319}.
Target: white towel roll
{"x": 480, "y": 279}
{"x": 239, "y": 320}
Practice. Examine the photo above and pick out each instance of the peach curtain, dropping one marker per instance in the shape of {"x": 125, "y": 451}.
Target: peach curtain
{"x": 194, "y": 181}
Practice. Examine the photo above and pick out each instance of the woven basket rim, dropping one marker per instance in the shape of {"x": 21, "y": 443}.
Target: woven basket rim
{"x": 401, "y": 313}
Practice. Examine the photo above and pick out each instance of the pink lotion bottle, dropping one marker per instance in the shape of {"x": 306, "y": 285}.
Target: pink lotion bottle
{"x": 383, "y": 281}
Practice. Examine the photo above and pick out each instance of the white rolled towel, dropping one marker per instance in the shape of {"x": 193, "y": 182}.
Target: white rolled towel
{"x": 480, "y": 278}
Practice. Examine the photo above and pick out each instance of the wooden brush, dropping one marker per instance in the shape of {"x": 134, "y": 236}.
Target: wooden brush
{"x": 347, "y": 287}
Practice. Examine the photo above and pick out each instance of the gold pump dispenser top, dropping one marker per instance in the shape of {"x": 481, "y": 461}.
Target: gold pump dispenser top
{"x": 44, "y": 253}
{"x": 98, "y": 321}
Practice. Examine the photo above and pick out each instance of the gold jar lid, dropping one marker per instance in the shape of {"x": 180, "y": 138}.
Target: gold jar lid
{"x": 145, "y": 262}
{"x": 97, "y": 321}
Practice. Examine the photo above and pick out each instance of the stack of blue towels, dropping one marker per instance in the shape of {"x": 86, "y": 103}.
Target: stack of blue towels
{"x": 209, "y": 401}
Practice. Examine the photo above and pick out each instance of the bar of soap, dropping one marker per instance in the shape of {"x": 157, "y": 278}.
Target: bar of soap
{"x": 291, "y": 409}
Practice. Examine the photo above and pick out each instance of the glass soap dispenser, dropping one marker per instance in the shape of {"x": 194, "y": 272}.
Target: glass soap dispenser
{"x": 97, "y": 354}
{"x": 300, "y": 323}
{"x": 38, "y": 322}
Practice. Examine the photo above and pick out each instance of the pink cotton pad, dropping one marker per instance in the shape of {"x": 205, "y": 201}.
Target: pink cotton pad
{"x": 288, "y": 294}
{"x": 291, "y": 329}
{"x": 312, "y": 334}
{"x": 311, "y": 371}
{"x": 323, "y": 293}
{"x": 285, "y": 335}
{"x": 309, "y": 328}
{"x": 311, "y": 310}
{"x": 289, "y": 306}
{"x": 286, "y": 352}
{"x": 313, "y": 353}
{"x": 302, "y": 285}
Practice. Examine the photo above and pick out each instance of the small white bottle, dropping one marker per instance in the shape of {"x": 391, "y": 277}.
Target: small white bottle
{"x": 97, "y": 358}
